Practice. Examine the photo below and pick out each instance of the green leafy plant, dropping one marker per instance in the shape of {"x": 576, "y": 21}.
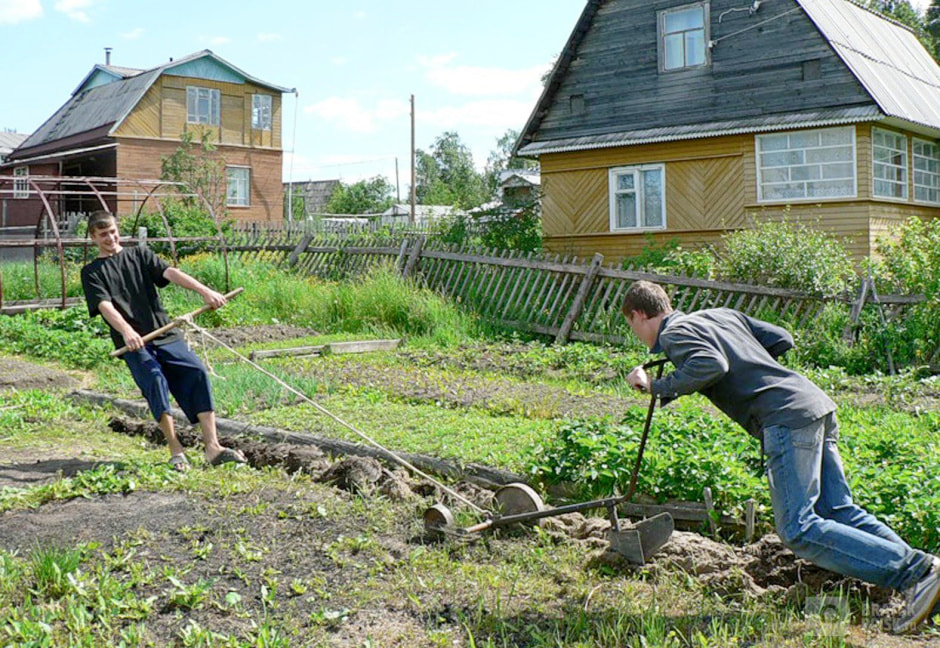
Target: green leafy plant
{"x": 787, "y": 254}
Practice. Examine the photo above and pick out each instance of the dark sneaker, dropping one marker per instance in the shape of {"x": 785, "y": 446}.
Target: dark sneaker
{"x": 921, "y": 600}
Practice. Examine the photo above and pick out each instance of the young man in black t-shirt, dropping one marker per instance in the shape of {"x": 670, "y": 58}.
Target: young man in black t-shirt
{"x": 121, "y": 286}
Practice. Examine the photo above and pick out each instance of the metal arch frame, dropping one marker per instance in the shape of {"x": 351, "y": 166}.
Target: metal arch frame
{"x": 35, "y": 183}
{"x": 166, "y": 223}
{"x": 58, "y": 241}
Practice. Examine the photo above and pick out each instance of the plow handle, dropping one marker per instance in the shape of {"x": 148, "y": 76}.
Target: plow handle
{"x": 659, "y": 364}
{"x": 173, "y": 324}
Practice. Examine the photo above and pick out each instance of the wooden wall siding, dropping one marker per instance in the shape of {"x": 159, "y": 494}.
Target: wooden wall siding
{"x": 705, "y": 195}
{"x": 752, "y": 73}
{"x": 162, "y": 113}
{"x": 703, "y": 185}
{"x": 575, "y": 202}
{"x": 173, "y": 113}
{"x": 233, "y": 120}
{"x": 145, "y": 119}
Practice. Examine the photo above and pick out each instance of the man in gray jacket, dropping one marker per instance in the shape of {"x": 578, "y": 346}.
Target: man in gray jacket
{"x": 731, "y": 359}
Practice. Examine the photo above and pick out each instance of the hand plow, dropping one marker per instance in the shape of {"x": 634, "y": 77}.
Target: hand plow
{"x": 518, "y": 503}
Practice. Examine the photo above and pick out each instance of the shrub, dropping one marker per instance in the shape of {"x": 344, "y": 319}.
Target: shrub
{"x": 910, "y": 263}
{"x": 785, "y": 254}
{"x": 672, "y": 259}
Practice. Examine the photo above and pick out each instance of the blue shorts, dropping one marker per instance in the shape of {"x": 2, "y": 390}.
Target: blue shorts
{"x": 161, "y": 370}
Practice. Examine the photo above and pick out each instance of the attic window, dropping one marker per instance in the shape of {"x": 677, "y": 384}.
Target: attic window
{"x": 202, "y": 105}
{"x": 576, "y": 104}
{"x": 261, "y": 112}
{"x": 683, "y": 34}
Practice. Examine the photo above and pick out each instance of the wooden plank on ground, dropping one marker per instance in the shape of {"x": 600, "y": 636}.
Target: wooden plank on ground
{"x": 354, "y": 346}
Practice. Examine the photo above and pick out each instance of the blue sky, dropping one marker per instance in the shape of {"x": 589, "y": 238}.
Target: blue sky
{"x": 474, "y": 67}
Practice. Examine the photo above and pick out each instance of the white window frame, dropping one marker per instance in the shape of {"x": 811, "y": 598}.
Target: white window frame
{"x": 926, "y": 170}
{"x": 20, "y": 182}
{"x": 261, "y": 111}
{"x": 638, "y": 190}
{"x": 806, "y": 161}
{"x": 889, "y": 158}
{"x": 196, "y": 98}
{"x": 662, "y": 36}
{"x": 242, "y": 194}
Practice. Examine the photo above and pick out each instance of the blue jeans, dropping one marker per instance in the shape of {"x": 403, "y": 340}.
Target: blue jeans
{"x": 816, "y": 517}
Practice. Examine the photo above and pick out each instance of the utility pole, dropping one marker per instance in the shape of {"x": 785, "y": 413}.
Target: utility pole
{"x": 397, "y": 185}
{"x": 412, "y": 215}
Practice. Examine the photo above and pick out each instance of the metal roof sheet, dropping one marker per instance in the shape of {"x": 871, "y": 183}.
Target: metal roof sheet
{"x": 9, "y": 140}
{"x": 886, "y": 57}
{"x": 93, "y": 108}
{"x": 767, "y": 123}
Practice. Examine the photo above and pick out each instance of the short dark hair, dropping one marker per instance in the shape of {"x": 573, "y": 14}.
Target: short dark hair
{"x": 647, "y": 298}
{"x": 99, "y": 220}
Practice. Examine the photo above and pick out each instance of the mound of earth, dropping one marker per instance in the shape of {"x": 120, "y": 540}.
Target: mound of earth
{"x": 25, "y": 375}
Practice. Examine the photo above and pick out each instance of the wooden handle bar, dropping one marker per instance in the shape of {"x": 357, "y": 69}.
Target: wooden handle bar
{"x": 172, "y": 325}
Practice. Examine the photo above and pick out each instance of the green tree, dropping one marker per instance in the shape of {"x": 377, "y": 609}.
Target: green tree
{"x": 201, "y": 169}
{"x": 502, "y": 158}
{"x": 446, "y": 175}
{"x": 370, "y": 196}
{"x": 932, "y": 26}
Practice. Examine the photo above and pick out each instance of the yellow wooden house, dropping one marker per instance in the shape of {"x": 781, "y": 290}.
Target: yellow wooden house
{"x": 121, "y": 122}
{"x": 683, "y": 120}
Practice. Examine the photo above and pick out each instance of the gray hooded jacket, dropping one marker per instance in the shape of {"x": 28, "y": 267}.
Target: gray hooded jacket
{"x": 730, "y": 358}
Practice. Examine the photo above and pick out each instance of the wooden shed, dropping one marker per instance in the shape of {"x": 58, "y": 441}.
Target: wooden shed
{"x": 684, "y": 120}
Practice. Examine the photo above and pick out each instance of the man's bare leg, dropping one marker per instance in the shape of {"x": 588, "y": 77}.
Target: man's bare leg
{"x": 210, "y": 438}
{"x": 168, "y": 427}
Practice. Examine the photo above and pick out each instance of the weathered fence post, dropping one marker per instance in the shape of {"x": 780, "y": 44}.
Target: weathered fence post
{"x": 849, "y": 333}
{"x": 300, "y": 249}
{"x": 400, "y": 259}
{"x": 578, "y": 305}
{"x": 413, "y": 257}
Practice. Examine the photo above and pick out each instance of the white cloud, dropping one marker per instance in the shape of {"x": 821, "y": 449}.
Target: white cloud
{"x": 349, "y": 114}
{"x": 133, "y": 34}
{"x": 339, "y": 60}
{"x": 75, "y": 9}
{"x": 269, "y": 37}
{"x": 480, "y": 81}
{"x": 219, "y": 40}
{"x": 14, "y": 11}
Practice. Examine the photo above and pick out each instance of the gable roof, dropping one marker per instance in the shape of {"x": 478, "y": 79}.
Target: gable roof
{"x": 885, "y": 58}
{"x": 106, "y": 96}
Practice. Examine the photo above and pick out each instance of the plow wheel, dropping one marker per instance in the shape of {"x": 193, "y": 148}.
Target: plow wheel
{"x": 516, "y": 499}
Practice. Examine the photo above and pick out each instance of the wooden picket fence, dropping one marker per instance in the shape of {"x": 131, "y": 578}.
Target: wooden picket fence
{"x": 568, "y": 298}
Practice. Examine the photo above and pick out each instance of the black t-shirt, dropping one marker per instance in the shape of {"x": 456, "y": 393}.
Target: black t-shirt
{"x": 129, "y": 280}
